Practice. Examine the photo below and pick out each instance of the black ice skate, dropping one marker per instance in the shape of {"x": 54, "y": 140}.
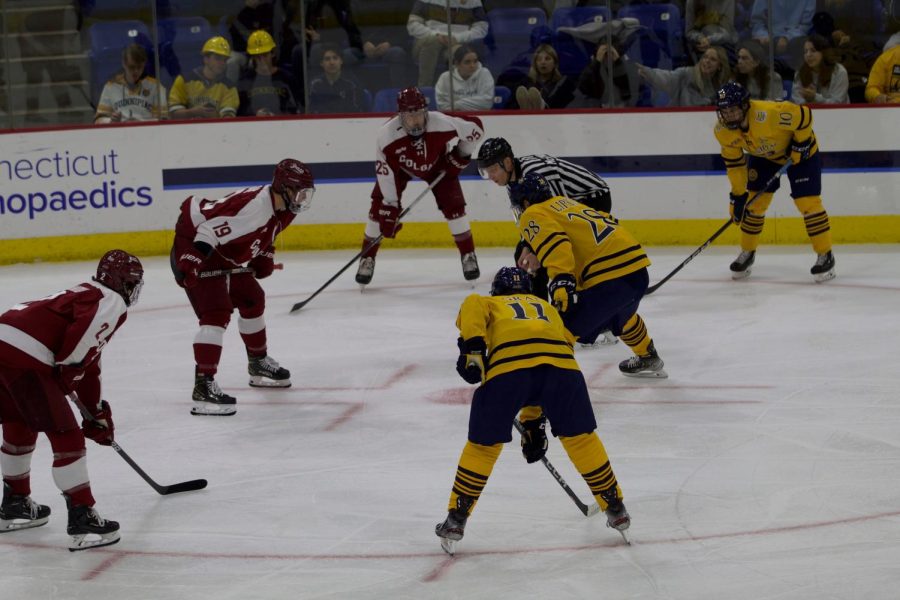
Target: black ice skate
{"x": 740, "y": 268}
{"x": 266, "y": 372}
{"x": 823, "y": 270}
{"x": 617, "y": 515}
{"x": 453, "y": 527}
{"x": 209, "y": 399}
{"x": 88, "y": 529}
{"x": 21, "y": 512}
{"x": 649, "y": 365}
{"x": 366, "y": 270}
{"x": 470, "y": 266}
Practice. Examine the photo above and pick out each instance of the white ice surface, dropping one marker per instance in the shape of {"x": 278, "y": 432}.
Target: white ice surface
{"x": 766, "y": 466}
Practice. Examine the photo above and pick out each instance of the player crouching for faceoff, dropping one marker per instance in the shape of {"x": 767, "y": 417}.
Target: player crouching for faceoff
{"x": 597, "y": 270}
{"x": 770, "y": 132}
{"x": 50, "y": 350}
{"x": 421, "y": 143}
{"x": 214, "y": 239}
{"x": 516, "y": 347}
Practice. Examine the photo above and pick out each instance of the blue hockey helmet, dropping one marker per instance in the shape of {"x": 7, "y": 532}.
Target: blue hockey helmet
{"x": 729, "y": 95}
{"x": 511, "y": 280}
{"x": 532, "y": 187}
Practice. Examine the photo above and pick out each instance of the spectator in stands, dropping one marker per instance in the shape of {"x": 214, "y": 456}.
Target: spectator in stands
{"x": 821, "y": 79}
{"x": 855, "y": 52}
{"x": 272, "y": 16}
{"x": 427, "y": 24}
{"x": 265, "y": 90}
{"x": 333, "y": 92}
{"x": 131, "y": 94}
{"x": 692, "y": 86}
{"x": 884, "y": 79}
{"x": 344, "y": 14}
{"x": 546, "y": 87}
{"x": 205, "y": 92}
{"x": 597, "y": 89}
{"x": 473, "y": 84}
{"x": 790, "y": 20}
{"x": 752, "y": 72}
{"x": 709, "y": 23}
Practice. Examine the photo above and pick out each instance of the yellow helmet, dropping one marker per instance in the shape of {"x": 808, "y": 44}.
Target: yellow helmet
{"x": 217, "y": 45}
{"x": 260, "y": 42}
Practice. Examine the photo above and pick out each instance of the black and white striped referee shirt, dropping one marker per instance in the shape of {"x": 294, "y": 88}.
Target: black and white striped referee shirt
{"x": 567, "y": 179}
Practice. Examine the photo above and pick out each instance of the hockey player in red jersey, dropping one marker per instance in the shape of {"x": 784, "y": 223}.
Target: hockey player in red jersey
{"x": 221, "y": 248}
{"x": 50, "y": 349}
{"x": 421, "y": 143}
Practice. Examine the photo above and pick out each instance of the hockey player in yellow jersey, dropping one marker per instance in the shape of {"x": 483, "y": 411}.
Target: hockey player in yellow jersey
{"x": 516, "y": 347}
{"x": 597, "y": 270}
{"x": 757, "y": 138}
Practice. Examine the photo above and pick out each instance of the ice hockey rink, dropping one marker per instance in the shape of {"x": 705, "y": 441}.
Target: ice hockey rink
{"x": 766, "y": 466}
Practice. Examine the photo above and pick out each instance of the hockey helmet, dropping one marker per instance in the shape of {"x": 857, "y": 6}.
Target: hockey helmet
{"x": 492, "y": 152}
{"x": 533, "y": 188}
{"x": 122, "y": 273}
{"x": 217, "y": 45}
{"x": 729, "y": 95}
{"x": 511, "y": 280}
{"x": 413, "y": 108}
{"x": 260, "y": 42}
{"x": 294, "y": 182}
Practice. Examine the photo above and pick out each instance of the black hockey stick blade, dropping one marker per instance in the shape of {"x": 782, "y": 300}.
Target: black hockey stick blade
{"x": 588, "y": 511}
{"x": 163, "y": 490}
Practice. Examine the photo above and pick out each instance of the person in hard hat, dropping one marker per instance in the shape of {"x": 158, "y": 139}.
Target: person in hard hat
{"x": 205, "y": 92}
{"x": 264, "y": 89}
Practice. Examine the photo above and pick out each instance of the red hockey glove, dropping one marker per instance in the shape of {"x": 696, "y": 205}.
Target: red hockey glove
{"x": 388, "y": 215}
{"x": 69, "y": 376}
{"x": 457, "y": 162}
{"x": 189, "y": 264}
{"x": 263, "y": 263}
{"x": 101, "y": 429}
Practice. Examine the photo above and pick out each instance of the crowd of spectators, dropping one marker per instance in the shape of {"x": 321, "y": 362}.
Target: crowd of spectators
{"x": 823, "y": 51}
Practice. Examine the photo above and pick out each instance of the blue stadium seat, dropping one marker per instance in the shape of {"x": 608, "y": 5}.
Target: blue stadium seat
{"x": 788, "y": 88}
{"x": 574, "y": 54}
{"x": 429, "y": 93}
{"x": 501, "y": 97}
{"x": 180, "y": 42}
{"x": 662, "y": 45}
{"x": 108, "y": 39}
{"x": 385, "y": 100}
{"x": 367, "y": 100}
{"x": 511, "y": 31}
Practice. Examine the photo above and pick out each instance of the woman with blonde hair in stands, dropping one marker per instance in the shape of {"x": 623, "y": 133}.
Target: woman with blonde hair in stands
{"x": 546, "y": 87}
{"x": 695, "y": 85}
{"x": 752, "y": 72}
{"x": 821, "y": 79}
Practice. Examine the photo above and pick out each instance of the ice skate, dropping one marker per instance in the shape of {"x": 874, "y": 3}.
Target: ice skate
{"x": 88, "y": 529}
{"x": 209, "y": 399}
{"x": 617, "y": 516}
{"x": 740, "y": 268}
{"x": 470, "y": 266}
{"x": 21, "y": 512}
{"x": 606, "y": 338}
{"x": 648, "y": 365}
{"x": 266, "y": 372}
{"x": 365, "y": 271}
{"x": 453, "y": 527}
{"x": 823, "y": 270}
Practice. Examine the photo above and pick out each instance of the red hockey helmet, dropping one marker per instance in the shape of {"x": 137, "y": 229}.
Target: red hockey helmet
{"x": 122, "y": 273}
{"x": 413, "y": 108}
{"x": 294, "y": 181}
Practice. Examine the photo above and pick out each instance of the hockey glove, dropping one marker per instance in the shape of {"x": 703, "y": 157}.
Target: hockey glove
{"x": 562, "y": 292}
{"x": 534, "y": 439}
{"x": 738, "y": 204}
{"x": 388, "y": 215}
{"x": 189, "y": 264}
{"x": 470, "y": 364}
{"x": 101, "y": 428}
{"x": 263, "y": 263}
{"x": 69, "y": 376}
{"x": 456, "y": 162}
{"x": 800, "y": 150}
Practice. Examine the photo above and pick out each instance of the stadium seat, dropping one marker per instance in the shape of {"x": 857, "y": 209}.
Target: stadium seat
{"x": 367, "y": 100}
{"x": 429, "y": 93}
{"x": 108, "y": 39}
{"x": 501, "y": 97}
{"x": 385, "y": 100}
{"x": 574, "y": 54}
{"x": 662, "y": 45}
{"x": 180, "y": 42}
{"x": 511, "y": 31}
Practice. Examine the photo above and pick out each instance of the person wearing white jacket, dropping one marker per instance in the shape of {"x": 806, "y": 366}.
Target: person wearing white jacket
{"x": 427, "y": 24}
{"x": 473, "y": 84}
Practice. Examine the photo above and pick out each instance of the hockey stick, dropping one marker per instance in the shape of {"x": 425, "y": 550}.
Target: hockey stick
{"x": 164, "y": 490}
{"x": 371, "y": 245}
{"x": 720, "y": 231}
{"x": 588, "y": 511}
{"x": 221, "y": 272}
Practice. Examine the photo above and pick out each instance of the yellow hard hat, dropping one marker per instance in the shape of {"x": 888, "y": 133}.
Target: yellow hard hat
{"x": 217, "y": 45}
{"x": 260, "y": 42}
